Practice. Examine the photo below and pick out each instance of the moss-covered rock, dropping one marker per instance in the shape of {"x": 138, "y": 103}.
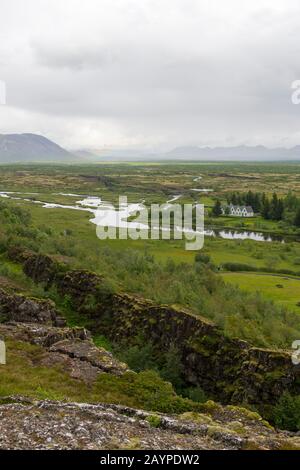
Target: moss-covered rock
{"x": 229, "y": 370}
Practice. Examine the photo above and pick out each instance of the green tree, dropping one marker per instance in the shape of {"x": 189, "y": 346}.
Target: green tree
{"x": 217, "y": 209}
{"x": 266, "y": 209}
{"x": 172, "y": 368}
{"x": 297, "y": 218}
{"x": 286, "y": 413}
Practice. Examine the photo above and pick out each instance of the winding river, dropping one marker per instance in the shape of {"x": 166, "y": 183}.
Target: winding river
{"x": 105, "y": 214}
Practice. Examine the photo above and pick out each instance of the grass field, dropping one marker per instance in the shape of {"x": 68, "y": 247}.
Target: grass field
{"x": 69, "y": 235}
{"x": 281, "y": 289}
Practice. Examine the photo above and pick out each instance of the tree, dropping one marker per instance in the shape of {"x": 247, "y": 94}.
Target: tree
{"x": 291, "y": 201}
{"x": 297, "y": 218}
{"x": 266, "y": 209}
{"x": 286, "y": 413}
{"x": 217, "y": 209}
{"x": 279, "y": 210}
{"x": 234, "y": 200}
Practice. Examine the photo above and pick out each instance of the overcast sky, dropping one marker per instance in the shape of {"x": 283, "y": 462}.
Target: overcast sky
{"x": 151, "y": 73}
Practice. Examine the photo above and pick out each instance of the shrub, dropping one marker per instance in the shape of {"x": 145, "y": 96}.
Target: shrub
{"x": 172, "y": 368}
{"x": 286, "y": 414}
{"x": 154, "y": 421}
{"x": 195, "y": 394}
{"x": 102, "y": 342}
{"x": 138, "y": 357}
{"x": 202, "y": 258}
{"x": 238, "y": 267}
{"x": 145, "y": 390}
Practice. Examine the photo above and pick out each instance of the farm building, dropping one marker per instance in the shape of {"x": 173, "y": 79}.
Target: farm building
{"x": 238, "y": 211}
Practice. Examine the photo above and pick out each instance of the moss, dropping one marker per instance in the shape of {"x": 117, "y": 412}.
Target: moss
{"x": 248, "y": 415}
{"x": 154, "y": 421}
{"x": 274, "y": 375}
{"x": 288, "y": 445}
{"x": 250, "y": 444}
{"x": 133, "y": 444}
{"x": 210, "y": 407}
{"x": 196, "y": 417}
{"x": 210, "y": 340}
{"x": 237, "y": 427}
{"x": 200, "y": 348}
{"x": 216, "y": 430}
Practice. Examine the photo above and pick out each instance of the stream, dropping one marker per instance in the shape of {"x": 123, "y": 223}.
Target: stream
{"x": 105, "y": 214}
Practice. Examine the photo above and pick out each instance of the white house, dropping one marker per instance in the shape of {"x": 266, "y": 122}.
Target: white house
{"x": 238, "y": 211}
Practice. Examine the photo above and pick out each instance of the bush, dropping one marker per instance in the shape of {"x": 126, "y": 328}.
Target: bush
{"x": 195, "y": 394}
{"x": 172, "y": 367}
{"x": 138, "y": 357}
{"x": 238, "y": 267}
{"x": 286, "y": 414}
{"x": 202, "y": 258}
{"x": 154, "y": 421}
{"x": 145, "y": 390}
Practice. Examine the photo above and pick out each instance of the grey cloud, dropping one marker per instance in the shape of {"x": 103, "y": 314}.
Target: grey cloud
{"x": 159, "y": 72}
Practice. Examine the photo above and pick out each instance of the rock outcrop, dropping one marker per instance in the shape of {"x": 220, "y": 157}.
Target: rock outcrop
{"x": 14, "y": 307}
{"x": 72, "y": 348}
{"x": 57, "y": 425}
{"x": 229, "y": 370}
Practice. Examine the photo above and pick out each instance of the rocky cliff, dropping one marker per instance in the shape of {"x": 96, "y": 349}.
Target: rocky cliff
{"x": 229, "y": 370}
{"x": 31, "y": 423}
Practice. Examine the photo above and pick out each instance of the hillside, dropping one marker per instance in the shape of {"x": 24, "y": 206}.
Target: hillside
{"x": 60, "y": 391}
{"x": 31, "y": 148}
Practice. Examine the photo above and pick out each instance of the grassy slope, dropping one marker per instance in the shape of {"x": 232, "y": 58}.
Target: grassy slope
{"x": 26, "y": 375}
{"x": 81, "y": 248}
{"x": 282, "y": 290}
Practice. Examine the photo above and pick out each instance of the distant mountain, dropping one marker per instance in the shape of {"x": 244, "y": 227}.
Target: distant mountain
{"x": 238, "y": 153}
{"x": 31, "y": 148}
{"x": 116, "y": 154}
{"x": 242, "y": 153}
{"x": 86, "y": 154}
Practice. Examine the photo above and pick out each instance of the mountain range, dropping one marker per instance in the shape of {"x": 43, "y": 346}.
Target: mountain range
{"x": 31, "y": 148}
{"x": 16, "y": 148}
{"x": 238, "y": 153}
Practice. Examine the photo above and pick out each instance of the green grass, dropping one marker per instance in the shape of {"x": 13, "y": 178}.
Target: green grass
{"x": 24, "y": 374}
{"x": 161, "y": 270}
{"x": 288, "y": 295}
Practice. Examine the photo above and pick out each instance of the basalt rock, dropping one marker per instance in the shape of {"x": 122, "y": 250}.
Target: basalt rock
{"x": 16, "y": 307}
{"x": 59, "y": 425}
{"x": 71, "y": 348}
{"x": 43, "y": 335}
{"x": 230, "y": 370}
{"x": 41, "y": 268}
{"x": 85, "y": 351}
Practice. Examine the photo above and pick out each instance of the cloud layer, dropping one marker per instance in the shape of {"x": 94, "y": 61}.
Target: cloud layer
{"x": 151, "y": 73}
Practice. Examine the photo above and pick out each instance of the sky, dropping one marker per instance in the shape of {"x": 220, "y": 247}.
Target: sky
{"x": 151, "y": 74}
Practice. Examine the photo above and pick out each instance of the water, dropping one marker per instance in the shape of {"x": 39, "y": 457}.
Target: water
{"x": 244, "y": 235}
{"x": 105, "y": 214}
{"x": 202, "y": 190}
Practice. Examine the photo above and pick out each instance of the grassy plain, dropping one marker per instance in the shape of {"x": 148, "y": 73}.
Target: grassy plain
{"x": 69, "y": 235}
{"x": 281, "y": 289}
